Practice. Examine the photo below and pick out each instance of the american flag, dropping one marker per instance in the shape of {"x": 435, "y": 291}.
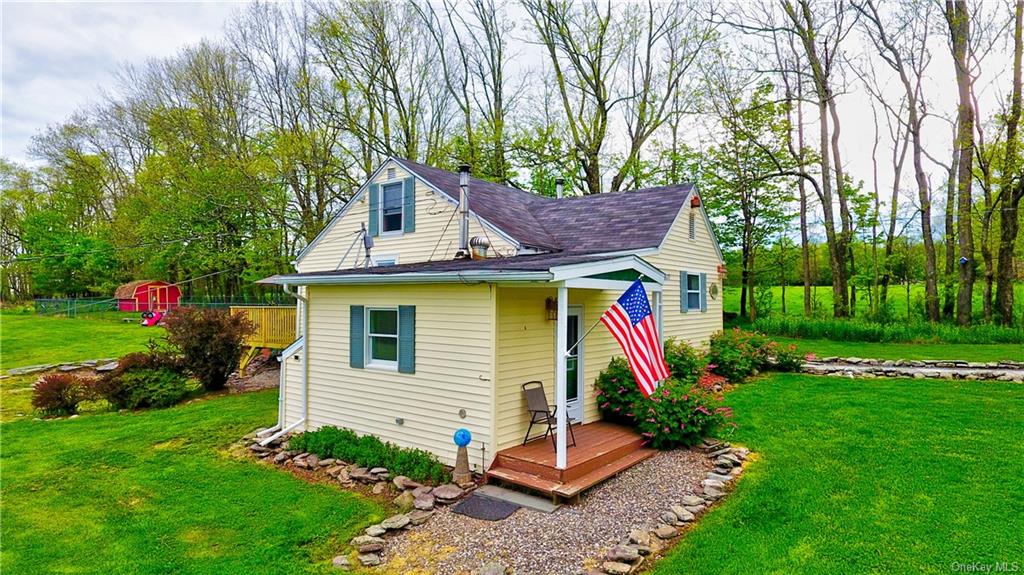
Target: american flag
{"x": 632, "y": 325}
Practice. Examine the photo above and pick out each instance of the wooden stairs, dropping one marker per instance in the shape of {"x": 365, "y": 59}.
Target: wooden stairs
{"x": 602, "y": 451}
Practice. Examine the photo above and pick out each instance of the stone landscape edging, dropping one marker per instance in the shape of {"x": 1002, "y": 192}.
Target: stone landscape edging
{"x": 631, "y": 553}
{"x": 1006, "y": 371}
{"x": 417, "y": 501}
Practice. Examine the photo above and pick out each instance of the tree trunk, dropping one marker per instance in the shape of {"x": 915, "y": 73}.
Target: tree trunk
{"x": 949, "y": 303}
{"x": 958, "y": 18}
{"x": 1010, "y": 218}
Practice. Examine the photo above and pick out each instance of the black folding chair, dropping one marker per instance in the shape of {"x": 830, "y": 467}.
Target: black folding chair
{"x": 541, "y": 412}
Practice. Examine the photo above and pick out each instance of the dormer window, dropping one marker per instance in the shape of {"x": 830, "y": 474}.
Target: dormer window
{"x": 391, "y": 208}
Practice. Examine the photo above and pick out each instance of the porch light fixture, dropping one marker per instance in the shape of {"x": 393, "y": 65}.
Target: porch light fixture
{"x": 551, "y": 307}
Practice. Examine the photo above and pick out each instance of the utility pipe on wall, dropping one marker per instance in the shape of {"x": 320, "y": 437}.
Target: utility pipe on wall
{"x": 304, "y": 313}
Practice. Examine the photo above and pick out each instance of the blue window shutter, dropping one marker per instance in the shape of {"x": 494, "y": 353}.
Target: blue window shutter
{"x": 407, "y": 339}
{"x": 703, "y": 292}
{"x": 683, "y": 297}
{"x": 356, "y": 355}
{"x": 374, "y": 191}
{"x": 409, "y": 206}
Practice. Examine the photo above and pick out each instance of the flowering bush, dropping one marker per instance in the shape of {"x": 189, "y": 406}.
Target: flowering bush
{"x": 709, "y": 380}
{"x": 679, "y": 415}
{"x": 685, "y": 362}
{"x": 787, "y": 358}
{"x": 617, "y": 391}
{"x": 59, "y": 393}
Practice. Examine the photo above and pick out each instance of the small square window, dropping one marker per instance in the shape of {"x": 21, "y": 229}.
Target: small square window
{"x": 382, "y": 336}
{"x": 391, "y": 208}
{"x": 692, "y": 291}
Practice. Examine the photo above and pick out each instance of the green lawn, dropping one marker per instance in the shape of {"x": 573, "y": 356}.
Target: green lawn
{"x": 867, "y": 476}
{"x": 822, "y": 300}
{"x": 969, "y": 352}
{"x": 154, "y": 492}
{"x": 28, "y": 339}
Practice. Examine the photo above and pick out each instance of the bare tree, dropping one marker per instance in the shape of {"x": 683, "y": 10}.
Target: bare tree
{"x": 906, "y": 52}
{"x": 1011, "y": 186}
{"x": 584, "y": 45}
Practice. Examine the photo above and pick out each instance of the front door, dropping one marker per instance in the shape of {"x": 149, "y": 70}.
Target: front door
{"x": 574, "y": 365}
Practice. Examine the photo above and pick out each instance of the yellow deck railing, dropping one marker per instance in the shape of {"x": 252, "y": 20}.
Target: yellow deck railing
{"x": 275, "y": 329}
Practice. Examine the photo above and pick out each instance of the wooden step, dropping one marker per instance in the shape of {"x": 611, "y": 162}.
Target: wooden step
{"x": 522, "y": 465}
{"x": 545, "y": 486}
{"x": 597, "y": 459}
{"x": 574, "y": 487}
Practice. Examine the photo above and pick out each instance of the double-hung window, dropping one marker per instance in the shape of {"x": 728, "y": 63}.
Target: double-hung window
{"x": 392, "y": 200}
{"x": 382, "y": 337}
{"x": 693, "y": 291}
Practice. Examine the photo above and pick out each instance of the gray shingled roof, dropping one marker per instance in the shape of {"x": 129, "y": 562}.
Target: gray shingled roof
{"x": 597, "y": 223}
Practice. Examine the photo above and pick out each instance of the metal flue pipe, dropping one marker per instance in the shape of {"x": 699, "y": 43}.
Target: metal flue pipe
{"x": 559, "y": 187}
{"x": 464, "y": 210}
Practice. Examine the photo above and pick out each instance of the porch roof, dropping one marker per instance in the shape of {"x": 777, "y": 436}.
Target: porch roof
{"x": 555, "y": 267}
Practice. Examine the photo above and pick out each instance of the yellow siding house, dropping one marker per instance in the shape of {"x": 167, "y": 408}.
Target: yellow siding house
{"x": 428, "y": 302}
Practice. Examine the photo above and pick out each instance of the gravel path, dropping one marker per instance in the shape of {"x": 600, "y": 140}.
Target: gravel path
{"x": 565, "y": 542}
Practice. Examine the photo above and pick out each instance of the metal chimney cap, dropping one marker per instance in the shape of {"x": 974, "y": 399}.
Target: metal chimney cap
{"x": 463, "y": 168}
{"x": 560, "y": 181}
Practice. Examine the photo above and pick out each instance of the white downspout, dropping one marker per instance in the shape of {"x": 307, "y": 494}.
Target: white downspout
{"x": 304, "y": 306}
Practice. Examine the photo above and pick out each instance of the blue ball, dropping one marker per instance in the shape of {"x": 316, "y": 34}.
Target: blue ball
{"x": 463, "y": 437}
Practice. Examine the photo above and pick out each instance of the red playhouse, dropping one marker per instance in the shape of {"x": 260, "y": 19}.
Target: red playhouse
{"x": 147, "y": 295}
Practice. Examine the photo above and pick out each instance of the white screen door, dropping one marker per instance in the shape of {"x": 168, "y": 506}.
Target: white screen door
{"x": 574, "y": 365}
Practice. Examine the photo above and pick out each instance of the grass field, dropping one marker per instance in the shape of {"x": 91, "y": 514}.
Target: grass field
{"x": 822, "y": 300}
{"x": 153, "y": 492}
{"x": 28, "y": 339}
{"x": 867, "y": 476}
{"x": 969, "y": 352}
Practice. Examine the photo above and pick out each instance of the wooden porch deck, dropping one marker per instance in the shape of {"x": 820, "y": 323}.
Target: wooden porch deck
{"x": 602, "y": 450}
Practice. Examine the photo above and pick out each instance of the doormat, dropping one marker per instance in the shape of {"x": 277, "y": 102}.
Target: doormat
{"x": 481, "y": 507}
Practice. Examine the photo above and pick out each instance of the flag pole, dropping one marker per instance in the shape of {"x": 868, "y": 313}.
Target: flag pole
{"x": 585, "y": 334}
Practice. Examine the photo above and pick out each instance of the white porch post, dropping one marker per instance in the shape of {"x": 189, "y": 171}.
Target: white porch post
{"x": 656, "y": 295}
{"x": 561, "y": 345}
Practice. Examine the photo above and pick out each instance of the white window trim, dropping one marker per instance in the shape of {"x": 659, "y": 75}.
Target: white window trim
{"x": 380, "y": 212}
{"x": 690, "y": 291}
{"x": 380, "y": 363}
{"x": 375, "y": 259}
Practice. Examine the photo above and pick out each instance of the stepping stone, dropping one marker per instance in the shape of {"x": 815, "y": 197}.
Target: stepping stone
{"x": 623, "y": 554}
{"x": 666, "y": 531}
{"x": 395, "y": 522}
{"x": 616, "y": 568}
{"x": 682, "y": 514}
{"x": 692, "y": 500}
{"x": 419, "y": 516}
{"x": 366, "y": 540}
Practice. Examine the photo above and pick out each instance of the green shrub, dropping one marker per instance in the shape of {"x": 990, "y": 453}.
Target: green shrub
{"x": 684, "y": 362}
{"x": 617, "y": 392}
{"x": 370, "y": 451}
{"x": 902, "y": 331}
{"x": 153, "y": 379}
{"x": 679, "y": 415}
{"x": 736, "y": 354}
{"x": 787, "y": 358}
{"x": 58, "y": 393}
{"x": 210, "y": 342}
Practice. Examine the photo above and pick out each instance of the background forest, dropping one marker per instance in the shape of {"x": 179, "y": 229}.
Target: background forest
{"x": 216, "y": 166}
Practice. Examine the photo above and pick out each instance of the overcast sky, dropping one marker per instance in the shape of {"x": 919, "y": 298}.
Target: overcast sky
{"x": 58, "y": 56}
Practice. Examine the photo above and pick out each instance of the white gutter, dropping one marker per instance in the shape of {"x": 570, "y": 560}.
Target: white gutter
{"x": 411, "y": 277}
{"x": 305, "y": 373}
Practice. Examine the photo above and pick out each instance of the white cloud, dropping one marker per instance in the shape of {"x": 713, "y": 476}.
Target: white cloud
{"x": 57, "y": 57}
